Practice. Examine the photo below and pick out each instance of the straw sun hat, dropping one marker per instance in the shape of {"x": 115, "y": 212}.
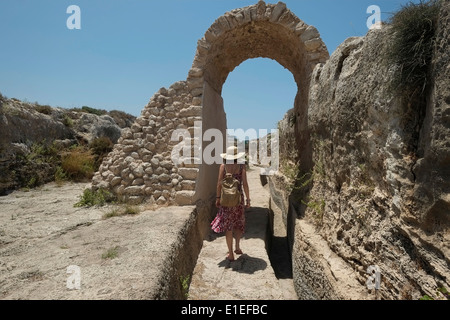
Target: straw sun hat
{"x": 232, "y": 154}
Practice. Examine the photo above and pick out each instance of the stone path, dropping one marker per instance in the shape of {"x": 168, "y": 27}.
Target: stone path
{"x": 251, "y": 276}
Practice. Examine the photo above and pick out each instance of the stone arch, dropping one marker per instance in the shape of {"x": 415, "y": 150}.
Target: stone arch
{"x": 140, "y": 167}
{"x": 258, "y": 31}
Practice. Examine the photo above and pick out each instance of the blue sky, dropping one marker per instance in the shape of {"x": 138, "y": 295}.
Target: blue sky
{"x": 127, "y": 49}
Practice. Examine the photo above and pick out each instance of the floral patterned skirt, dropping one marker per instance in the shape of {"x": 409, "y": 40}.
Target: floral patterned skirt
{"x": 228, "y": 219}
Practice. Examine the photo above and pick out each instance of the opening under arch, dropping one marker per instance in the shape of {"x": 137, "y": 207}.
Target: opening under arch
{"x": 257, "y": 94}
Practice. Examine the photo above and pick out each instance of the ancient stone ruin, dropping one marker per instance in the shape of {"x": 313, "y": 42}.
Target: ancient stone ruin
{"x": 140, "y": 168}
{"x": 371, "y": 172}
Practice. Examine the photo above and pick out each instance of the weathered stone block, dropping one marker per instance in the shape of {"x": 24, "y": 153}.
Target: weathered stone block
{"x": 191, "y": 111}
{"x": 313, "y": 44}
{"x": 309, "y": 34}
{"x": 277, "y": 11}
{"x": 184, "y": 198}
{"x": 134, "y": 190}
{"x": 188, "y": 173}
{"x": 164, "y": 177}
{"x": 188, "y": 185}
{"x": 116, "y": 181}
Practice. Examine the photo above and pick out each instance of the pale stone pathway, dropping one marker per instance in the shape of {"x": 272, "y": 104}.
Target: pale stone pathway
{"x": 250, "y": 276}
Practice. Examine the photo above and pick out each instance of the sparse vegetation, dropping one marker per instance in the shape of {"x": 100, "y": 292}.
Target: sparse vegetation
{"x": 364, "y": 183}
{"x": 78, "y": 164}
{"x": 441, "y": 294}
{"x": 413, "y": 36}
{"x": 67, "y": 121}
{"x": 291, "y": 171}
{"x": 60, "y": 175}
{"x": 122, "y": 211}
{"x": 98, "y": 198}
{"x": 185, "y": 281}
{"x": 44, "y": 109}
{"x": 318, "y": 208}
{"x": 97, "y": 112}
{"x": 41, "y": 162}
{"x": 100, "y": 147}
{"x": 122, "y": 119}
{"x": 111, "y": 253}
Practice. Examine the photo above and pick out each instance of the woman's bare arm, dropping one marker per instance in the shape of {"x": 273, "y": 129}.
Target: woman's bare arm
{"x": 245, "y": 185}
{"x": 219, "y": 185}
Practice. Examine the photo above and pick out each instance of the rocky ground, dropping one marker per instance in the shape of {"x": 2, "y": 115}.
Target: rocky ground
{"x": 42, "y": 235}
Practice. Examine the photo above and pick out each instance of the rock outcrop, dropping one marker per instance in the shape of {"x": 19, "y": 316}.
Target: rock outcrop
{"x": 26, "y": 125}
{"x": 379, "y": 189}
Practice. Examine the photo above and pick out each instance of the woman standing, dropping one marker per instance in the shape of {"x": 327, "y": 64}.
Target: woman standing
{"x": 231, "y": 220}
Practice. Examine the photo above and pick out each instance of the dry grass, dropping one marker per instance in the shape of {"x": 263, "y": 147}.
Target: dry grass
{"x": 78, "y": 164}
{"x": 413, "y": 36}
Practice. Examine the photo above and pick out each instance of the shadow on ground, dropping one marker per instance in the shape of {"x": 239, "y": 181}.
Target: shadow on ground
{"x": 256, "y": 218}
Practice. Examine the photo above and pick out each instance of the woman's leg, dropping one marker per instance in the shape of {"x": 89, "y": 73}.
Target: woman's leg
{"x": 229, "y": 239}
{"x": 238, "y": 235}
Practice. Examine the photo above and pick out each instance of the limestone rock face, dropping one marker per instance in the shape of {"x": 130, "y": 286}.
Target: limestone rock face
{"x": 24, "y": 124}
{"x": 380, "y": 192}
{"x": 21, "y": 122}
{"x": 90, "y": 126}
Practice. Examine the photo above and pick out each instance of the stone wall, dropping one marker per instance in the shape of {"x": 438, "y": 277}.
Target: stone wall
{"x": 140, "y": 167}
{"x": 379, "y": 192}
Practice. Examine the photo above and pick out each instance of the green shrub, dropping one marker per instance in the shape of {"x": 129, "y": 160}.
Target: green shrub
{"x": 60, "y": 175}
{"x": 43, "y": 152}
{"x": 101, "y": 145}
{"x": 413, "y": 35}
{"x": 67, "y": 121}
{"x": 97, "y": 112}
{"x": 98, "y": 198}
{"x": 185, "y": 282}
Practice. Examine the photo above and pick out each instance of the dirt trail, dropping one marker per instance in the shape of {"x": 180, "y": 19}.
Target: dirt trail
{"x": 251, "y": 276}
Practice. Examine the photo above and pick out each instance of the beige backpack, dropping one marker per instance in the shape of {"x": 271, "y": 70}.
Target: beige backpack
{"x": 230, "y": 196}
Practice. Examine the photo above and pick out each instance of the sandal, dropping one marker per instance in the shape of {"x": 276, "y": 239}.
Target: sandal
{"x": 228, "y": 258}
{"x": 238, "y": 251}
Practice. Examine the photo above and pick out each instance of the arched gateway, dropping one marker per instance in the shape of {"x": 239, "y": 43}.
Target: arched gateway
{"x": 141, "y": 168}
